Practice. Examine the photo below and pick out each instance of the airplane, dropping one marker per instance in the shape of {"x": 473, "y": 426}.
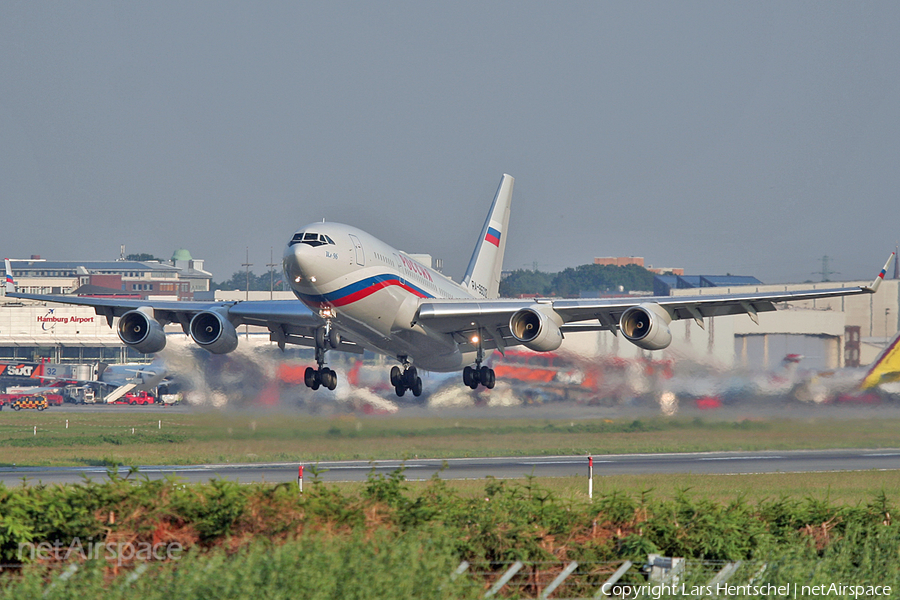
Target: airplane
{"x": 882, "y": 377}
{"x": 120, "y": 379}
{"x": 357, "y": 292}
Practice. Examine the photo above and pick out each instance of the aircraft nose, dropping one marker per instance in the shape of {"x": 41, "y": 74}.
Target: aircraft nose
{"x": 297, "y": 263}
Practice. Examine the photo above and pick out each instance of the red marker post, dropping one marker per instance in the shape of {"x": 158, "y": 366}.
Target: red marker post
{"x": 300, "y": 478}
{"x": 591, "y": 477}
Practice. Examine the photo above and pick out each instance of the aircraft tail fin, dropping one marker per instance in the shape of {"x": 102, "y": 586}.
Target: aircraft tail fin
{"x": 482, "y": 278}
{"x": 886, "y": 367}
{"x": 10, "y": 287}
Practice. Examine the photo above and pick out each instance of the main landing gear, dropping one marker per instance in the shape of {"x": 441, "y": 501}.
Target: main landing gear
{"x": 475, "y": 376}
{"x": 326, "y": 337}
{"x": 479, "y": 375}
{"x": 406, "y": 379}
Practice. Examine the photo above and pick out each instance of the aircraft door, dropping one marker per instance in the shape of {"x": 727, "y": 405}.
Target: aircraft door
{"x": 358, "y": 249}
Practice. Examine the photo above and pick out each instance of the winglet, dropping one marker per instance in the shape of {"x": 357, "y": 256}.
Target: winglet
{"x": 874, "y": 287}
{"x": 10, "y": 287}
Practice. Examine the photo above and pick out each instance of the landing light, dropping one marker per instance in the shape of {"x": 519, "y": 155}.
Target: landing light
{"x": 297, "y": 279}
{"x": 313, "y": 279}
{"x": 474, "y": 339}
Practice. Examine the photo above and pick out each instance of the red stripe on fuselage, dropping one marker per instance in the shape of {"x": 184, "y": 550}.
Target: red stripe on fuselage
{"x": 369, "y": 290}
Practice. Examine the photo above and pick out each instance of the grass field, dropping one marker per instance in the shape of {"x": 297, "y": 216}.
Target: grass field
{"x": 148, "y": 438}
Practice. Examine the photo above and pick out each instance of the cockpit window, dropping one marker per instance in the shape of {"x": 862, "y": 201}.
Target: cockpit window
{"x": 310, "y": 238}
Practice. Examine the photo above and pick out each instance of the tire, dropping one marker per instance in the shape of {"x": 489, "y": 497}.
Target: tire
{"x": 417, "y": 387}
{"x": 396, "y": 376}
{"x": 400, "y": 390}
{"x": 315, "y": 385}
{"x": 467, "y": 376}
{"x": 310, "y": 377}
{"x": 486, "y": 375}
{"x": 329, "y": 379}
{"x": 409, "y": 377}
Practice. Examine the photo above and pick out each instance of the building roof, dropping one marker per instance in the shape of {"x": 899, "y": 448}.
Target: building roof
{"x": 106, "y": 266}
{"x": 664, "y": 284}
{"x": 98, "y": 290}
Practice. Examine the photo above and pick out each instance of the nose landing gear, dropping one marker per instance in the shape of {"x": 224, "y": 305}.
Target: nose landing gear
{"x": 323, "y": 376}
{"x": 406, "y": 378}
{"x": 326, "y": 337}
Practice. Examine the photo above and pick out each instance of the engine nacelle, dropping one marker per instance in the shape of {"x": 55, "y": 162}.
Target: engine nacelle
{"x": 647, "y": 326}
{"x": 142, "y": 332}
{"x": 213, "y": 332}
{"x": 537, "y": 328}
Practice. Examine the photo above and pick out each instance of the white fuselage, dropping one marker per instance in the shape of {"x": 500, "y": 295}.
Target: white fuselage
{"x": 371, "y": 291}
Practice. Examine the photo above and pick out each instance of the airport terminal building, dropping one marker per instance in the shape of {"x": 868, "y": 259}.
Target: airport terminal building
{"x": 33, "y": 331}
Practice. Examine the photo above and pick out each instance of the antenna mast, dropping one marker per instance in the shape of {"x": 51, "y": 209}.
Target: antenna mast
{"x": 825, "y": 272}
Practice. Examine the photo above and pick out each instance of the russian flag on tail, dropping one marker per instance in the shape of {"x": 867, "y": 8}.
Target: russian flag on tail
{"x": 10, "y": 286}
{"x": 493, "y": 236}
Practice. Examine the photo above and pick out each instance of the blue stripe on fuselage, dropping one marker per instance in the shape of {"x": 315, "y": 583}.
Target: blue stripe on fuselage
{"x": 358, "y": 290}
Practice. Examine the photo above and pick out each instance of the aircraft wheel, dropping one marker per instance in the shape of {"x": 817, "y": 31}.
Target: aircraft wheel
{"x": 400, "y": 389}
{"x": 311, "y": 378}
{"x": 396, "y": 376}
{"x": 320, "y": 338}
{"x": 328, "y": 378}
{"x": 409, "y": 377}
{"x": 417, "y": 387}
{"x": 490, "y": 380}
{"x": 487, "y": 378}
{"x": 468, "y": 376}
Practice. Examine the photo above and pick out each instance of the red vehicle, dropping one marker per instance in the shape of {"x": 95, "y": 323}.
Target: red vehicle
{"x": 135, "y": 398}
{"x": 52, "y": 399}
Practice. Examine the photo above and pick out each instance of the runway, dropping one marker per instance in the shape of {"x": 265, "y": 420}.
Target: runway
{"x": 797, "y": 461}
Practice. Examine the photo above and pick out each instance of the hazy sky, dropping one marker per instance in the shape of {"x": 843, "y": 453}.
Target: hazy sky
{"x": 743, "y": 137}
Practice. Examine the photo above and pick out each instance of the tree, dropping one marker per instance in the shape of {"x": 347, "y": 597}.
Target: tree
{"x": 573, "y": 281}
{"x": 258, "y": 283}
{"x": 601, "y": 278}
{"x": 143, "y": 257}
{"x": 524, "y": 281}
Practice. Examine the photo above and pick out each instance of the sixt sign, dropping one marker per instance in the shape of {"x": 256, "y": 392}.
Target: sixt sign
{"x": 27, "y": 370}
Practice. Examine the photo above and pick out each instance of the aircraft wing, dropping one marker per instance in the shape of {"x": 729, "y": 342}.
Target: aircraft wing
{"x": 490, "y": 319}
{"x": 288, "y": 321}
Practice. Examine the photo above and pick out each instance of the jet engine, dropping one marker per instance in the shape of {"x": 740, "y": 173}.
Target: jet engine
{"x": 142, "y": 332}
{"x": 213, "y": 332}
{"x": 537, "y": 328}
{"x": 647, "y": 326}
